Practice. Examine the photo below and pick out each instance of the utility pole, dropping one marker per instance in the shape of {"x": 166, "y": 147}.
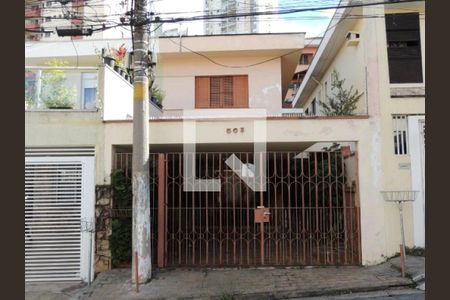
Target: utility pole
{"x": 141, "y": 262}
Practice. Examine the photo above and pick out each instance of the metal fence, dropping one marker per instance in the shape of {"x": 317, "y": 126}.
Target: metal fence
{"x": 314, "y": 216}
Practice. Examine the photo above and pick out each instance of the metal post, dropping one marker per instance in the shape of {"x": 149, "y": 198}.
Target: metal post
{"x": 402, "y": 246}
{"x": 141, "y": 264}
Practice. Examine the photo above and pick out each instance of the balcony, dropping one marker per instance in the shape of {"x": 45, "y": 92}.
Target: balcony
{"x": 60, "y": 88}
{"x": 82, "y": 89}
{"x": 32, "y": 26}
{"x": 32, "y": 12}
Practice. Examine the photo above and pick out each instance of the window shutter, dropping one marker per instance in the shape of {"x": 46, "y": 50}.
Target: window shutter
{"x": 202, "y": 92}
{"x": 240, "y": 91}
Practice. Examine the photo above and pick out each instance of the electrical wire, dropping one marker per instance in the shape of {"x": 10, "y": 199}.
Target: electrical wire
{"x": 76, "y": 51}
{"x": 261, "y": 62}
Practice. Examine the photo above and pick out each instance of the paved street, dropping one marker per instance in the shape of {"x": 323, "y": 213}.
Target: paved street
{"x": 395, "y": 294}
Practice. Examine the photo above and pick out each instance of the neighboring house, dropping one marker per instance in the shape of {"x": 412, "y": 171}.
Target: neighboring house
{"x": 384, "y": 58}
{"x": 311, "y": 45}
{"x": 223, "y": 95}
{"x": 42, "y": 17}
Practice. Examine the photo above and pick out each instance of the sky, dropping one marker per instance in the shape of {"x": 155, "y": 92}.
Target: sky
{"x": 313, "y": 23}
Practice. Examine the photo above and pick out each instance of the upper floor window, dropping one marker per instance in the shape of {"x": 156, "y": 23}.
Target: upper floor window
{"x": 221, "y": 91}
{"x": 403, "y": 47}
{"x": 305, "y": 59}
{"x": 400, "y": 128}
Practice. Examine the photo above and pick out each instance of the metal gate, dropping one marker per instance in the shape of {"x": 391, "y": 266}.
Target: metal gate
{"x": 309, "y": 214}
{"x": 59, "y": 194}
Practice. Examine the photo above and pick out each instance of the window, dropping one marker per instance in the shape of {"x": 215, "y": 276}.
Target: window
{"x": 89, "y": 90}
{"x": 400, "y": 126}
{"x": 314, "y": 107}
{"x": 305, "y": 59}
{"x": 48, "y": 19}
{"x": 47, "y": 34}
{"x": 221, "y": 91}
{"x": 403, "y": 47}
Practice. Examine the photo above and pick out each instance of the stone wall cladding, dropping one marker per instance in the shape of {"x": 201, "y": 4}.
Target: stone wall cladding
{"x": 103, "y": 228}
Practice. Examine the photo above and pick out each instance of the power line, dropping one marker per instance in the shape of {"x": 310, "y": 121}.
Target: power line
{"x": 261, "y": 62}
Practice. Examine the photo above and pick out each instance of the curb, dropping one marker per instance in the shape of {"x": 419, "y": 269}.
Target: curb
{"x": 313, "y": 293}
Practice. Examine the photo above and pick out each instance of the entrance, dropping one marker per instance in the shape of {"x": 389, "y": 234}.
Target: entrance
{"x": 308, "y": 215}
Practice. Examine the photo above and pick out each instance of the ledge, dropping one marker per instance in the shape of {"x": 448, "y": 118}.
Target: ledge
{"x": 407, "y": 91}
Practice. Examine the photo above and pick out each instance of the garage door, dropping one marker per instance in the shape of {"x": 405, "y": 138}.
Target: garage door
{"x": 59, "y": 199}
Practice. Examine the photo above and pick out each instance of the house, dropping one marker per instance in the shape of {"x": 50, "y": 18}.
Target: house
{"x": 223, "y": 101}
{"x": 384, "y": 58}
{"x": 311, "y": 45}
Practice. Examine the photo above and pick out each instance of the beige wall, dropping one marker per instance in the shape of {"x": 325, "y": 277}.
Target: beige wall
{"x": 67, "y": 129}
{"x": 352, "y": 62}
{"x": 176, "y": 77}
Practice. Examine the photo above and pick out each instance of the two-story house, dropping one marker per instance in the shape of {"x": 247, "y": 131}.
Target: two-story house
{"x": 222, "y": 121}
{"x": 383, "y": 56}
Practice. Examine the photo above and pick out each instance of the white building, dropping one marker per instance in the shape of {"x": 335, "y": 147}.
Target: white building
{"x": 43, "y": 17}
{"x": 230, "y": 25}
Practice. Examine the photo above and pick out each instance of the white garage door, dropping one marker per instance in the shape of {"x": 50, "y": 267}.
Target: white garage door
{"x": 59, "y": 198}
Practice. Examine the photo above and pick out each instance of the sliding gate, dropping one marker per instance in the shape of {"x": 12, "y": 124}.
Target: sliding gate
{"x": 308, "y": 215}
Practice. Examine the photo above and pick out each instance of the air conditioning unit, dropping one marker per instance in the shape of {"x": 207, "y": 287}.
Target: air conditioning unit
{"x": 352, "y": 38}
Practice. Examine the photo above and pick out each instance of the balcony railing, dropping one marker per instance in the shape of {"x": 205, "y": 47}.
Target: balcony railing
{"x": 61, "y": 88}
{"x": 33, "y": 12}
{"x": 32, "y": 26}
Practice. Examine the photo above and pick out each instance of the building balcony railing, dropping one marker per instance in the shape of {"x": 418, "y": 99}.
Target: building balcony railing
{"x": 60, "y": 88}
{"x": 32, "y": 26}
{"x": 32, "y": 12}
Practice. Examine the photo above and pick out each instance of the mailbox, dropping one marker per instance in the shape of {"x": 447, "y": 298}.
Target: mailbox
{"x": 262, "y": 214}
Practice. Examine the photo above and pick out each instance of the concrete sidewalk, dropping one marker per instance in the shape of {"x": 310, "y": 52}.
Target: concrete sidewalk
{"x": 415, "y": 268}
{"x": 255, "y": 283}
{"x": 258, "y": 283}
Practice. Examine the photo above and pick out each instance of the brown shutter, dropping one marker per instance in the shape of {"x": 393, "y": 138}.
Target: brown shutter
{"x": 240, "y": 91}
{"x": 202, "y": 92}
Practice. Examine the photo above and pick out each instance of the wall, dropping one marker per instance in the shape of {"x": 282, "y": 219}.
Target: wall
{"x": 117, "y": 96}
{"x": 348, "y": 55}
{"x": 66, "y": 129}
{"x": 176, "y": 77}
{"x": 367, "y": 64}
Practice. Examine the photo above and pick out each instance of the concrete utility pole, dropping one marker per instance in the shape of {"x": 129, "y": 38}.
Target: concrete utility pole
{"x": 141, "y": 263}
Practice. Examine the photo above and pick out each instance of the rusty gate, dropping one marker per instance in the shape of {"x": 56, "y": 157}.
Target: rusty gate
{"x": 308, "y": 215}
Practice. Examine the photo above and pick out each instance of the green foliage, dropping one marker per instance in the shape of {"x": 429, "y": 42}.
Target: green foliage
{"x": 54, "y": 93}
{"x": 415, "y": 251}
{"x": 342, "y": 101}
{"x": 157, "y": 93}
{"x": 122, "y": 192}
{"x": 121, "y": 235}
{"x": 226, "y": 296}
{"x": 120, "y": 241}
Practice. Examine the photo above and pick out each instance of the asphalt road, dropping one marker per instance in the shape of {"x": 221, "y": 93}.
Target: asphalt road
{"x": 404, "y": 294}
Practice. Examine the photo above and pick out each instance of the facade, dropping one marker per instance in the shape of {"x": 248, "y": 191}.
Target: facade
{"x": 237, "y": 25}
{"x": 311, "y": 45}
{"x": 42, "y": 17}
{"x": 316, "y": 207}
{"x": 392, "y": 80}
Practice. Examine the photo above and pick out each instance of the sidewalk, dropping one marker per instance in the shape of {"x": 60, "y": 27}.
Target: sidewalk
{"x": 415, "y": 269}
{"x": 224, "y": 284}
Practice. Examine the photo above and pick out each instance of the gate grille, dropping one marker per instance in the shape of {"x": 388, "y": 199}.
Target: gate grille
{"x": 53, "y": 196}
{"x": 311, "y": 197}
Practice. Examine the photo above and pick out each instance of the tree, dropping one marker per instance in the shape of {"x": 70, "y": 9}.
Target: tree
{"x": 54, "y": 93}
{"x": 342, "y": 101}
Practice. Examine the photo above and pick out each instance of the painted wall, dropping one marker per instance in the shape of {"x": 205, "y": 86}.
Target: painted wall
{"x": 117, "y": 96}
{"x": 368, "y": 63}
{"x": 176, "y": 77}
{"x": 67, "y": 129}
